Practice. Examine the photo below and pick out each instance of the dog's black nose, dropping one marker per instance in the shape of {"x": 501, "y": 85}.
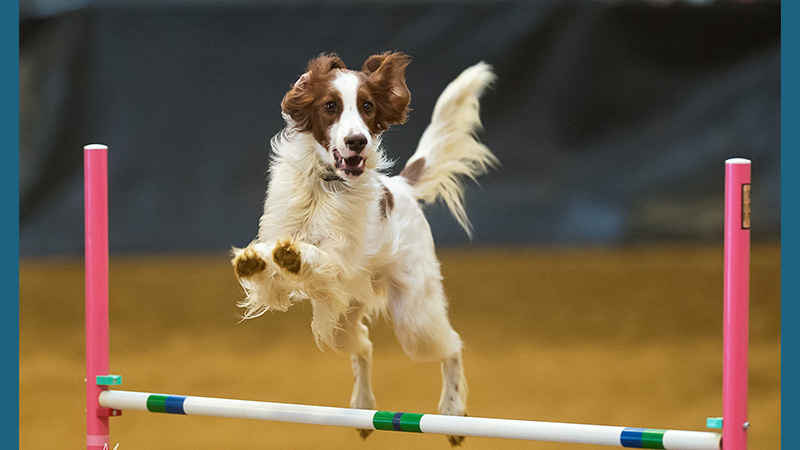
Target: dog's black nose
{"x": 355, "y": 142}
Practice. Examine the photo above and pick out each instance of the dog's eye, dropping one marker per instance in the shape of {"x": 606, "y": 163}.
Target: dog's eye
{"x": 330, "y": 106}
{"x": 367, "y": 107}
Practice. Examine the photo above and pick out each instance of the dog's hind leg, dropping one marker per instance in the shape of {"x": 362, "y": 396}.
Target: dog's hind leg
{"x": 454, "y": 391}
{"x": 353, "y": 336}
{"x": 420, "y": 322}
{"x": 362, "y": 397}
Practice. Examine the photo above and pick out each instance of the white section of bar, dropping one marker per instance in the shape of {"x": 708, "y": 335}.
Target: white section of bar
{"x": 246, "y": 409}
{"x": 281, "y": 412}
{"x": 124, "y": 400}
{"x": 430, "y": 423}
{"x": 688, "y": 440}
{"x": 522, "y": 429}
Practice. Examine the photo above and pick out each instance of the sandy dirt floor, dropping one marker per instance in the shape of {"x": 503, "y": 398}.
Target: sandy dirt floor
{"x": 629, "y": 337}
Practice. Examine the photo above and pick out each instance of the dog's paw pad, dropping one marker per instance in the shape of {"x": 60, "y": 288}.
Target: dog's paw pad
{"x": 287, "y": 256}
{"x": 248, "y": 263}
{"x": 364, "y": 433}
{"x": 455, "y": 441}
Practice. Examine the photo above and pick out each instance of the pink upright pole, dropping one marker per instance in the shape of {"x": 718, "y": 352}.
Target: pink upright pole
{"x": 95, "y": 165}
{"x": 736, "y": 304}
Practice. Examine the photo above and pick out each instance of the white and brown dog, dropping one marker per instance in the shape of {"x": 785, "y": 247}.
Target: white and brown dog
{"x": 340, "y": 233}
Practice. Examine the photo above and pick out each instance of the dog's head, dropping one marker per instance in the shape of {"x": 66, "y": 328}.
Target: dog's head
{"x": 346, "y": 110}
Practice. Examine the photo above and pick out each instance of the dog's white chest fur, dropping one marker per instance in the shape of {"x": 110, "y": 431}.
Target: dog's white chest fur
{"x": 303, "y": 207}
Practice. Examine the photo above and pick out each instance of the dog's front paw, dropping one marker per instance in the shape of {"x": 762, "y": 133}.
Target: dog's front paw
{"x": 287, "y": 256}
{"x": 248, "y": 262}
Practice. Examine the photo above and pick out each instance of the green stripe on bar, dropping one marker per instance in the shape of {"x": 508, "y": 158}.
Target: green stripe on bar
{"x": 410, "y": 422}
{"x": 653, "y": 439}
{"x": 397, "y": 421}
{"x": 382, "y": 420}
{"x": 157, "y": 403}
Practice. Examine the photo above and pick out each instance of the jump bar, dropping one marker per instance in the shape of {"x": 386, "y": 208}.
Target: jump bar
{"x": 411, "y": 422}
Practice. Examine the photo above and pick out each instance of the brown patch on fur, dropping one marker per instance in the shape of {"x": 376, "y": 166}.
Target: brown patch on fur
{"x": 386, "y": 202}
{"x": 305, "y": 102}
{"x": 287, "y": 256}
{"x": 248, "y": 263}
{"x": 413, "y": 172}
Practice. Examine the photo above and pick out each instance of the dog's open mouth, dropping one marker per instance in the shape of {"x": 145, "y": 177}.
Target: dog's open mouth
{"x": 352, "y": 166}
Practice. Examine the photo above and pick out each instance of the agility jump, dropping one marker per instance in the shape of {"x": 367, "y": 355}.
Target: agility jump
{"x": 103, "y": 402}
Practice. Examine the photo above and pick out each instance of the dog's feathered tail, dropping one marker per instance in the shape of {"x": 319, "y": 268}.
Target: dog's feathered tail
{"x": 449, "y": 150}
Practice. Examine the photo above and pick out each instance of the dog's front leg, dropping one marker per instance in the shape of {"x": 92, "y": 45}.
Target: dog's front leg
{"x": 329, "y": 282}
{"x": 327, "y": 273}
{"x": 264, "y": 282}
{"x": 295, "y": 259}
{"x": 290, "y": 256}
{"x": 248, "y": 262}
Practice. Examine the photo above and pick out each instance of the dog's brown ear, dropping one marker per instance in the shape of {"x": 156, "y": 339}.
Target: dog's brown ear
{"x": 298, "y": 102}
{"x": 386, "y": 76}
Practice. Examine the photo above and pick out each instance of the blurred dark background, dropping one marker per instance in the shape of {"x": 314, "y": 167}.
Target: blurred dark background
{"x": 612, "y": 120}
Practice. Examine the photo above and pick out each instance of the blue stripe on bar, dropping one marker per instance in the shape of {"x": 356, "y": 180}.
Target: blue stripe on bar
{"x": 396, "y": 422}
{"x": 174, "y": 404}
{"x": 642, "y": 438}
{"x": 631, "y": 437}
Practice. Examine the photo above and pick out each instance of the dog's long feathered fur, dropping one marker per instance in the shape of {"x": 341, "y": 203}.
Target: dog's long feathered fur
{"x": 339, "y": 232}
